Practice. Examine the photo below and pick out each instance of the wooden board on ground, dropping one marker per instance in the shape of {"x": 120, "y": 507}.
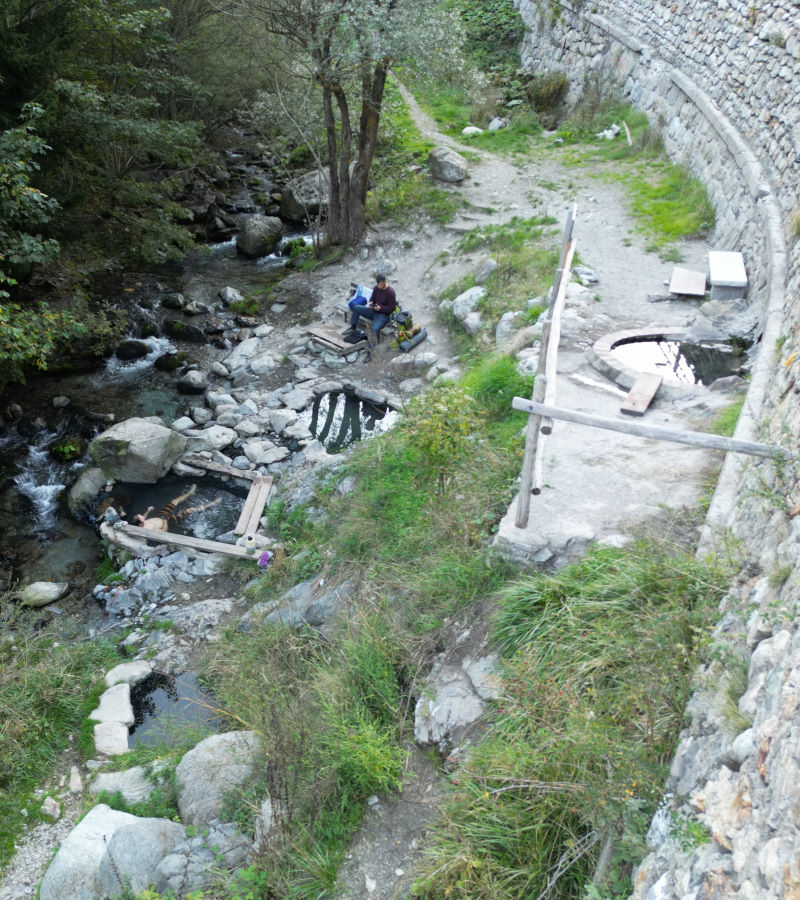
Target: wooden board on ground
{"x": 686, "y": 283}
{"x": 185, "y": 540}
{"x": 641, "y": 394}
{"x": 333, "y": 341}
{"x": 210, "y": 466}
{"x": 253, "y": 508}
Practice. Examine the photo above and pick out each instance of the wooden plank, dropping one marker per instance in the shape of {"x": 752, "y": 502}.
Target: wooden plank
{"x": 654, "y": 432}
{"x": 687, "y": 283}
{"x": 641, "y": 394}
{"x": 253, "y": 509}
{"x": 211, "y": 466}
{"x": 185, "y": 540}
{"x": 332, "y": 340}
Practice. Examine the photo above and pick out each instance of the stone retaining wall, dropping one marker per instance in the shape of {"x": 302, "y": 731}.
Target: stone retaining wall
{"x": 720, "y": 79}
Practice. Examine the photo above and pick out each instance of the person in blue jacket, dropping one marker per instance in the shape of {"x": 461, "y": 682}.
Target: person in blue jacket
{"x": 382, "y": 304}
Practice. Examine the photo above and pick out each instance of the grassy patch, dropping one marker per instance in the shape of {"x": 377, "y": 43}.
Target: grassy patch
{"x": 403, "y": 188}
{"x": 45, "y": 693}
{"x": 725, "y": 422}
{"x": 526, "y": 253}
{"x": 672, "y": 206}
{"x": 597, "y": 663}
{"x": 328, "y": 713}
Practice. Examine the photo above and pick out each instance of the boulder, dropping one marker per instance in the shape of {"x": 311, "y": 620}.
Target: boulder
{"x": 179, "y": 330}
{"x": 230, "y": 295}
{"x": 114, "y": 705}
{"x": 40, "y": 593}
{"x": 193, "y": 865}
{"x": 103, "y": 846}
{"x": 304, "y": 196}
{"x": 89, "y": 484}
{"x": 138, "y": 450}
{"x": 471, "y": 131}
{"x": 215, "y": 437}
{"x": 211, "y": 770}
{"x": 110, "y": 738}
{"x": 193, "y": 382}
{"x": 465, "y": 303}
{"x": 447, "y": 165}
{"x": 484, "y": 269}
{"x": 132, "y": 349}
{"x": 134, "y": 851}
{"x": 259, "y": 236}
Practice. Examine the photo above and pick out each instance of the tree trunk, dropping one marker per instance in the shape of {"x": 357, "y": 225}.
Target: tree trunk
{"x": 348, "y": 192}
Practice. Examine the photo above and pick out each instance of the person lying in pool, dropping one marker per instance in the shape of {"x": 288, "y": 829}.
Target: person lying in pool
{"x": 170, "y": 512}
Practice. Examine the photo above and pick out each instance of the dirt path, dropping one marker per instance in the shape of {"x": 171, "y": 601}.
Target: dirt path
{"x": 600, "y": 485}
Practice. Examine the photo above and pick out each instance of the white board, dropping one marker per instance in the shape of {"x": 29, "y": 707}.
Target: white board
{"x": 726, "y": 269}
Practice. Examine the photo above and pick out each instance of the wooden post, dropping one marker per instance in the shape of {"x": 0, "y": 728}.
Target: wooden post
{"x": 530, "y": 476}
{"x": 654, "y": 432}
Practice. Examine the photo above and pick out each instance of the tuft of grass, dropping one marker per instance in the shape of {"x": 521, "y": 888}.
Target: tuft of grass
{"x": 725, "y": 422}
{"x": 329, "y": 714}
{"x": 526, "y": 251}
{"x": 46, "y": 693}
{"x": 597, "y": 664}
{"x": 673, "y": 206}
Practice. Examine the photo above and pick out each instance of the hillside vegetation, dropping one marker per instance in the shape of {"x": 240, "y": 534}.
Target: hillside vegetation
{"x": 596, "y": 659}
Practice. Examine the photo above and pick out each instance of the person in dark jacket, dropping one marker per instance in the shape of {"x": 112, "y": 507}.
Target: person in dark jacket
{"x": 382, "y": 304}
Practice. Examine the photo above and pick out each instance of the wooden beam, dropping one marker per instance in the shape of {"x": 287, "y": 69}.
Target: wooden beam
{"x": 253, "y": 508}
{"x": 653, "y": 432}
{"x": 201, "y": 463}
{"x": 185, "y": 540}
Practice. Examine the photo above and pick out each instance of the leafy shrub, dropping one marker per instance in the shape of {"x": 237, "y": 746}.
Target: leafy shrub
{"x": 437, "y": 429}
{"x": 493, "y": 382}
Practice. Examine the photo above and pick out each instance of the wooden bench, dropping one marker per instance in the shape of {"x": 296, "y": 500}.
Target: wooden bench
{"x": 253, "y": 509}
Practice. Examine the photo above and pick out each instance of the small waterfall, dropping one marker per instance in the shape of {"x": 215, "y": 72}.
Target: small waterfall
{"x": 41, "y": 479}
{"x": 131, "y": 369}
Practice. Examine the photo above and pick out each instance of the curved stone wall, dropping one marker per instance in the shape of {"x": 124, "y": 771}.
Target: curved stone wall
{"x": 721, "y": 81}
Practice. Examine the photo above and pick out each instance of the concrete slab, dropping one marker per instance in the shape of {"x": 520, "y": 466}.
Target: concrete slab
{"x": 687, "y": 283}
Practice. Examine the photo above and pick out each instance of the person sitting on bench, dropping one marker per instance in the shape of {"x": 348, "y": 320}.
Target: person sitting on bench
{"x": 382, "y": 304}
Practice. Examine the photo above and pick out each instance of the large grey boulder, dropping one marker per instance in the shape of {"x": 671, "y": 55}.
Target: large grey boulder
{"x": 447, "y": 165}
{"x": 211, "y": 770}
{"x": 83, "y": 870}
{"x": 466, "y": 302}
{"x": 452, "y": 698}
{"x": 259, "y": 235}
{"x": 134, "y": 851}
{"x": 304, "y": 196}
{"x": 85, "y": 490}
{"x": 40, "y": 593}
{"x": 138, "y": 450}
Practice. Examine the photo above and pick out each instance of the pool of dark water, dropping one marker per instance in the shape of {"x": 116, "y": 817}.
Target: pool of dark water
{"x": 681, "y": 362}
{"x": 164, "y": 706}
{"x": 340, "y": 418}
{"x": 212, "y": 510}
